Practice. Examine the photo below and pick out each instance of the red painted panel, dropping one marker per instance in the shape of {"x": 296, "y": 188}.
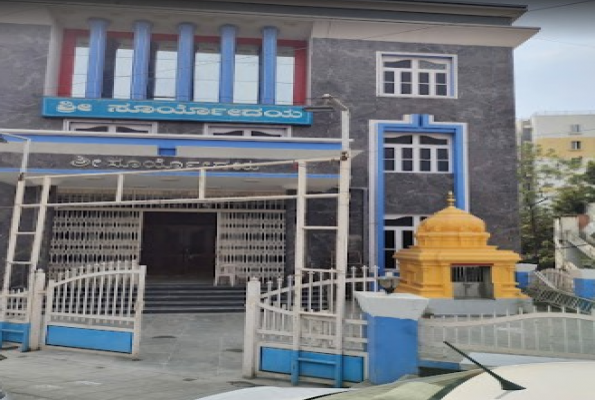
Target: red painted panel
{"x": 300, "y": 75}
{"x": 67, "y": 62}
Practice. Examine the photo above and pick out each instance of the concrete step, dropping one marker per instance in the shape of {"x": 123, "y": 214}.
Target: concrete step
{"x": 192, "y": 309}
{"x": 193, "y": 298}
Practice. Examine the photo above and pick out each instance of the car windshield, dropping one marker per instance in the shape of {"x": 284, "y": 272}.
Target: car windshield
{"x": 429, "y": 388}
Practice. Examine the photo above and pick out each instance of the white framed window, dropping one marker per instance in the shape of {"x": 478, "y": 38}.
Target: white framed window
{"x": 417, "y": 153}
{"x": 399, "y": 233}
{"x": 575, "y": 128}
{"x": 110, "y": 126}
{"x": 247, "y": 131}
{"x": 416, "y": 75}
{"x": 575, "y": 145}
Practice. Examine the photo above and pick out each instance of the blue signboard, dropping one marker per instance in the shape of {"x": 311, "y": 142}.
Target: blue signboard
{"x": 174, "y": 111}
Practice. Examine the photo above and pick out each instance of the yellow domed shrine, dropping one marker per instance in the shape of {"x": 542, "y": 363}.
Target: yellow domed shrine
{"x": 452, "y": 260}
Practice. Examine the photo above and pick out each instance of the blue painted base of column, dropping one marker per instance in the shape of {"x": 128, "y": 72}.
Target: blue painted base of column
{"x": 522, "y": 279}
{"x": 392, "y": 348}
{"x": 584, "y": 288}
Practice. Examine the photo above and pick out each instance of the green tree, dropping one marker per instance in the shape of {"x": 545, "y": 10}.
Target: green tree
{"x": 536, "y": 177}
{"x": 576, "y": 192}
{"x": 549, "y": 187}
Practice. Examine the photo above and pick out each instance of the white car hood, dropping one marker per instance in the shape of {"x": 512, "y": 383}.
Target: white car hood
{"x": 273, "y": 393}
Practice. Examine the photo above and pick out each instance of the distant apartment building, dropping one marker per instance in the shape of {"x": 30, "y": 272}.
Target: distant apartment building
{"x": 571, "y": 135}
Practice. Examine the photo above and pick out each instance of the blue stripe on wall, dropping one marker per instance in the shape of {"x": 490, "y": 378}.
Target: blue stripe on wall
{"x": 168, "y": 143}
{"x": 279, "y": 361}
{"x": 91, "y": 339}
{"x": 419, "y": 124}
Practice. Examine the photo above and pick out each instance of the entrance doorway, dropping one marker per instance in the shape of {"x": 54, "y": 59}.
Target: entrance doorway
{"x": 179, "y": 245}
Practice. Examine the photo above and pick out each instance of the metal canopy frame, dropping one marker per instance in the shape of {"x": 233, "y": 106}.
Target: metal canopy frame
{"x": 302, "y": 195}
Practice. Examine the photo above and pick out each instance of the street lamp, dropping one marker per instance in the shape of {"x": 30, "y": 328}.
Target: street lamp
{"x": 26, "y": 150}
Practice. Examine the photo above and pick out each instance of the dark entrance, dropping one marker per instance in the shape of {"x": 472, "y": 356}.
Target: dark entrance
{"x": 179, "y": 245}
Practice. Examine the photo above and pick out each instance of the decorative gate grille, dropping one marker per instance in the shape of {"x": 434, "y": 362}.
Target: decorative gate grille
{"x": 252, "y": 242}
{"x": 83, "y": 237}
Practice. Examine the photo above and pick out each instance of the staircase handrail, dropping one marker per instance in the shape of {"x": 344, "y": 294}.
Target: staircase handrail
{"x": 581, "y": 244}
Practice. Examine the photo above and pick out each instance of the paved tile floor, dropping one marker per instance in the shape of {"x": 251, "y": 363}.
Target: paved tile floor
{"x": 183, "y": 357}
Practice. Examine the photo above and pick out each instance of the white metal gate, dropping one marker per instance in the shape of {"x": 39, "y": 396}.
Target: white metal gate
{"x": 299, "y": 320}
{"x": 96, "y": 307}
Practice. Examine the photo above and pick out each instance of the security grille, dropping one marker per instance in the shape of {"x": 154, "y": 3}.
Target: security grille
{"x": 81, "y": 237}
{"x": 472, "y": 282}
{"x": 251, "y": 239}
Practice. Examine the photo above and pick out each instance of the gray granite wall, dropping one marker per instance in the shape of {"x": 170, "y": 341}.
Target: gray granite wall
{"x": 347, "y": 70}
{"x": 6, "y": 203}
{"x": 23, "y": 59}
{"x": 320, "y": 244}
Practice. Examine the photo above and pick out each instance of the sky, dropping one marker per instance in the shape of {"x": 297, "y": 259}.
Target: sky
{"x": 555, "y": 70}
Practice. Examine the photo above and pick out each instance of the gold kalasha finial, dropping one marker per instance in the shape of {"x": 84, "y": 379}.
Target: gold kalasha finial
{"x": 450, "y": 199}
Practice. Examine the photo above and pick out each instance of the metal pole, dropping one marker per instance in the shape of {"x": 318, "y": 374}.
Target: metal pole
{"x": 26, "y": 151}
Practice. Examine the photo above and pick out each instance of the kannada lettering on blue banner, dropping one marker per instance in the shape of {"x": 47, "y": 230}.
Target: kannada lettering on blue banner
{"x": 174, "y": 111}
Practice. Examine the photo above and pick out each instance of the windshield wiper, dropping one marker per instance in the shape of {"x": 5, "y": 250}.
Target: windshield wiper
{"x": 504, "y": 383}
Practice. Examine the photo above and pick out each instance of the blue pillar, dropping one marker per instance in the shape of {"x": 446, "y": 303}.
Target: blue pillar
{"x": 185, "y": 73}
{"x": 140, "y": 62}
{"x": 96, "y": 63}
{"x": 228, "y": 59}
{"x": 522, "y": 279}
{"x": 392, "y": 334}
{"x": 268, "y": 79}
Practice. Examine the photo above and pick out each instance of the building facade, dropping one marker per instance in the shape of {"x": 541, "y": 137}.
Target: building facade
{"x": 99, "y": 87}
{"x": 571, "y": 135}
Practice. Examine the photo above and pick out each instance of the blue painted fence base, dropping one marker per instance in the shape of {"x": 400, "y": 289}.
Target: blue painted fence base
{"x": 16, "y": 333}
{"x": 91, "y": 339}
{"x": 280, "y": 361}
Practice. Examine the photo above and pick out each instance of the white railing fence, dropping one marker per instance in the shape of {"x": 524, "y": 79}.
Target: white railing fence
{"x": 15, "y": 306}
{"x": 547, "y": 334}
{"x": 552, "y": 279}
{"x": 271, "y": 316}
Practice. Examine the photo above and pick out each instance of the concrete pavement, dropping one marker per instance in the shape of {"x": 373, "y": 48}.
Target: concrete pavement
{"x": 183, "y": 357}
